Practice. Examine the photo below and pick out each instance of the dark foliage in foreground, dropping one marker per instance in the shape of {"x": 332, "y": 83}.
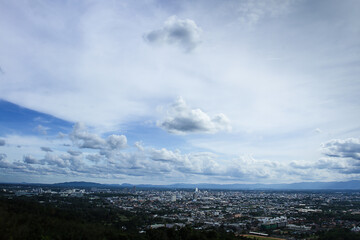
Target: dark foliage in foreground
{"x": 25, "y": 219}
{"x": 339, "y": 234}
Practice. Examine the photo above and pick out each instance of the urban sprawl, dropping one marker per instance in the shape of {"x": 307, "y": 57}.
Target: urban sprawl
{"x": 282, "y": 214}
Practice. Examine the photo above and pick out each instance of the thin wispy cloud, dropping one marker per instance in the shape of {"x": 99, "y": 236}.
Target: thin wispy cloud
{"x": 251, "y": 12}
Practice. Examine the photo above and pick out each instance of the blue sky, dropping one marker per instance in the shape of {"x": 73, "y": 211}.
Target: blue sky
{"x": 179, "y": 91}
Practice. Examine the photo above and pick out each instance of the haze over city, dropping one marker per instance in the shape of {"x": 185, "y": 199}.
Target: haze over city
{"x": 165, "y": 92}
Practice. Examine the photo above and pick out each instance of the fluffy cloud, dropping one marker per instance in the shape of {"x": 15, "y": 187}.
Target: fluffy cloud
{"x": 347, "y": 148}
{"x": 164, "y": 155}
{"x": 140, "y": 161}
{"x": 30, "y": 159}
{"x": 83, "y": 139}
{"x": 341, "y": 156}
{"x": 105, "y": 158}
{"x": 52, "y": 159}
{"x": 181, "y": 32}
{"x": 182, "y": 119}
{"x": 2, "y": 142}
{"x": 116, "y": 141}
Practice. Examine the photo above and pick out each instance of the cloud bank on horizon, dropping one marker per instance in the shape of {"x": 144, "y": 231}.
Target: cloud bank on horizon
{"x": 204, "y": 91}
{"x": 92, "y": 156}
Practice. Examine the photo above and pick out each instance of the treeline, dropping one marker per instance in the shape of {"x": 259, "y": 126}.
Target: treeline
{"x": 339, "y": 234}
{"x": 26, "y": 219}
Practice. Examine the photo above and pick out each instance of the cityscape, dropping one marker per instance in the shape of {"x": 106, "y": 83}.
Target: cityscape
{"x": 180, "y": 119}
{"x": 243, "y": 214}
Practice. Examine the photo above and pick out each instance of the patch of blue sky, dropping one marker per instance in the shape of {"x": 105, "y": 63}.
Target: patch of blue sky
{"x": 152, "y": 136}
{"x": 15, "y": 119}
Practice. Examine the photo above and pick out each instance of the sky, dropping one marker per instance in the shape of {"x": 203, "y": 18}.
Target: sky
{"x": 159, "y": 92}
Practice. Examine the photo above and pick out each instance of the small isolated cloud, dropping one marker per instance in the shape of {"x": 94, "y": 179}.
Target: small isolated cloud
{"x": 41, "y": 129}
{"x": 182, "y": 119}
{"x": 181, "y": 32}
{"x": 318, "y": 130}
{"x": 347, "y": 148}
{"x": 30, "y": 159}
{"x": 41, "y": 119}
{"x": 83, "y": 139}
{"x": 2, "y": 142}
{"x": 46, "y": 149}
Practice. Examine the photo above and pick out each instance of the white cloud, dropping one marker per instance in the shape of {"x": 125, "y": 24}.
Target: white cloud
{"x": 166, "y": 164}
{"x": 2, "y": 142}
{"x": 342, "y": 148}
{"x": 53, "y": 159}
{"x": 101, "y": 156}
{"x": 83, "y": 139}
{"x": 164, "y": 155}
{"x": 116, "y": 141}
{"x": 341, "y": 156}
{"x": 182, "y": 119}
{"x": 181, "y": 32}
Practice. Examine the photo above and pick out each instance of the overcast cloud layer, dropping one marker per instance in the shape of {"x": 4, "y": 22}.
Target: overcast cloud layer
{"x": 179, "y": 91}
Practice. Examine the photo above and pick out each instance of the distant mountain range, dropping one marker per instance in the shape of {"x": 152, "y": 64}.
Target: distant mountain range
{"x": 349, "y": 185}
